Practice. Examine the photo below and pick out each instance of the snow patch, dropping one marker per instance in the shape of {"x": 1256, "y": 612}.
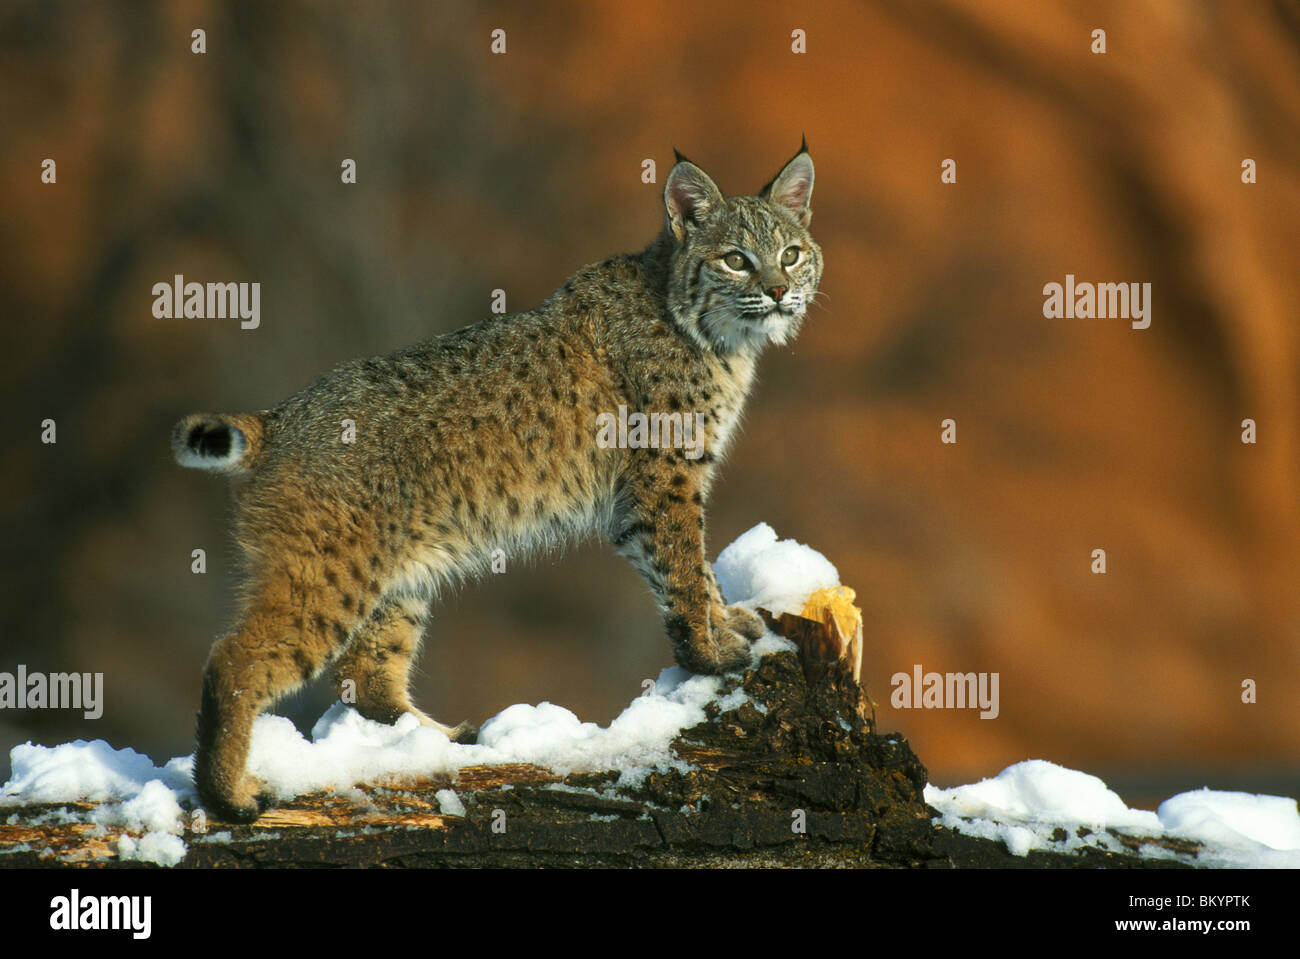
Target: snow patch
{"x": 92, "y": 771}
{"x": 449, "y": 804}
{"x": 1243, "y": 828}
{"x": 157, "y": 847}
{"x": 1026, "y": 804}
{"x": 757, "y": 570}
{"x": 153, "y": 809}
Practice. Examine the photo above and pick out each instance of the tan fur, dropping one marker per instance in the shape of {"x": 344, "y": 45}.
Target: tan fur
{"x": 485, "y": 439}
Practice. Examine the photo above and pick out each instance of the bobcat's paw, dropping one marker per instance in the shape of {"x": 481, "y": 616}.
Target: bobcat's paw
{"x": 710, "y": 646}
{"x": 742, "y": 621}
{"x": 242, "y": 804}
{"x": 730, "y": 650}
{"x": 723, "y": 651}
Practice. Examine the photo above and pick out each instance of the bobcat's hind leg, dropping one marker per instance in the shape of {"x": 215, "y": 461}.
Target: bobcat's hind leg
{"x": 373, "y": 672}
{"x": 285, "y": 638}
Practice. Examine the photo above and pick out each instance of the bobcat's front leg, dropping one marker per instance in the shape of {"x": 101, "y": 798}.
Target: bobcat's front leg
{"x": 663, "y": 536}
{"x": 736, "y": 618}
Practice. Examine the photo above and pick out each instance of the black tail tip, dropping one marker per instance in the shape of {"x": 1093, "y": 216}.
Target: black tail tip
{"x": 208, "y": 442}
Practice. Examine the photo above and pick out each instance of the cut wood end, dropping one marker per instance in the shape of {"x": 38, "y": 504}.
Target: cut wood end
{"x": 835, "y": 605}
{"x": 838, "y": 601}
{"x": 828, "y": 631}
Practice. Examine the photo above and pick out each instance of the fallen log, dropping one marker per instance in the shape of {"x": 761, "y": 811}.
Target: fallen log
{"x": 795, "y": 775}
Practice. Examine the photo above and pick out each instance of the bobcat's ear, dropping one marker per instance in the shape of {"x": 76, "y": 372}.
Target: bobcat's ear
{"x": 689, "y": 197}
{"x": 791, "y": 189}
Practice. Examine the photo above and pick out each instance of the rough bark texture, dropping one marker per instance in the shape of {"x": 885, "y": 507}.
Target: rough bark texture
{"x": 795, "y": 776}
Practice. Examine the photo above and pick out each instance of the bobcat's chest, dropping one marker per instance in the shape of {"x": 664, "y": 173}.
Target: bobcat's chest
{"x": 714, "y": 394}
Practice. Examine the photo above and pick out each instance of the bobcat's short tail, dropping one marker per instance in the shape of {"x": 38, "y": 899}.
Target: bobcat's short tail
{"x": 228, "y": 442}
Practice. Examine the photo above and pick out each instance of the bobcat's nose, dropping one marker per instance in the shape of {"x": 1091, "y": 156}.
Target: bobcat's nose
{"x": 776, "y": 292}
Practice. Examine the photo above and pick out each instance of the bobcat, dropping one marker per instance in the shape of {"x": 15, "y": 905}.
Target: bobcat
{"x": 486, "y": 439}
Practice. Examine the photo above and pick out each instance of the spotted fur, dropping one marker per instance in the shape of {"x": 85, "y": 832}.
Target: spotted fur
{"x": 485, "y": 439}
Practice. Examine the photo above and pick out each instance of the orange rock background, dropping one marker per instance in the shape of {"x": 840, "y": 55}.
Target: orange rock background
{"x": 478, "y": 172}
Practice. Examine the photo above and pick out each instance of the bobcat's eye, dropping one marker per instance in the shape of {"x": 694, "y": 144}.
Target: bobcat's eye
{"x": 736, "y": 261}
{"x": 790, "y": 257}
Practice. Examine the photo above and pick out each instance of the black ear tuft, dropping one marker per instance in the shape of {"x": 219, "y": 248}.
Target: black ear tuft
{"x": 679, "y": 157}
{"x": 803, "y": 144}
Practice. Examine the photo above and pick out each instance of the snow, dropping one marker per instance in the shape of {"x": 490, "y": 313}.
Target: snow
{"x": 153, "y": 809}
{"x": 778, "y": 575}
{"x": 449, "y": 803}
{"x": 87, "y": 770}
{"x": 1249, "y": 829}
{"x": 345, "y": 749}
{"x": 636, "y": 742}
{"x": 157, "y": 847}
{"x": 1026, "y": 804}
{"x": 1037, "y": 791}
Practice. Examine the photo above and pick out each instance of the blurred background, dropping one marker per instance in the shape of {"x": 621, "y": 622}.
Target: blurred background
{"x": 477, "y": 171}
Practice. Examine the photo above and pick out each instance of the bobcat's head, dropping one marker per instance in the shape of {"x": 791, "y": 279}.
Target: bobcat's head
{"x": 744, "y": 268}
